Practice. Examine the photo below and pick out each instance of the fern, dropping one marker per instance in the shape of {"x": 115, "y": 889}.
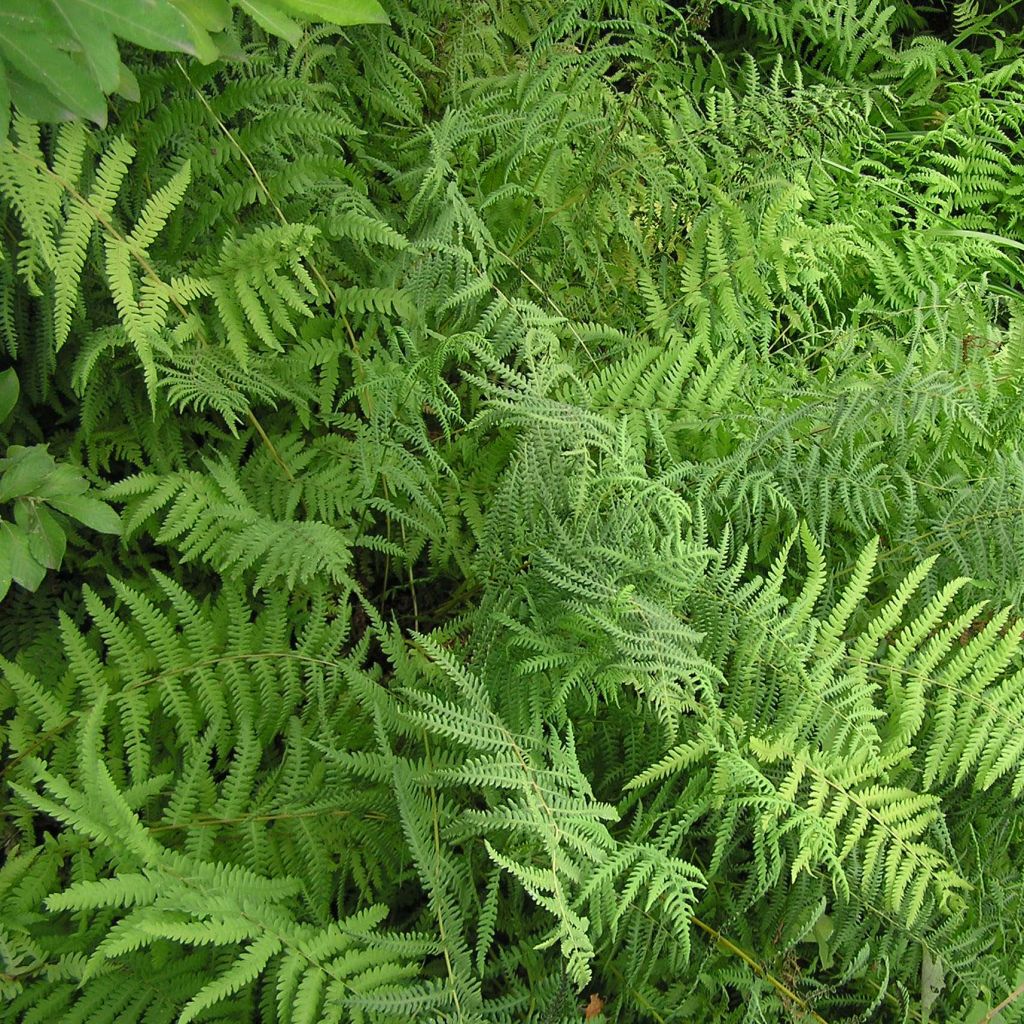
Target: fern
{"x": 566, "y": 556}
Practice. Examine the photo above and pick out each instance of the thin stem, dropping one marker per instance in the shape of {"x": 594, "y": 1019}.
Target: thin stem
{"x": 1011, "y": 998}
{"x": 758, "y": 969}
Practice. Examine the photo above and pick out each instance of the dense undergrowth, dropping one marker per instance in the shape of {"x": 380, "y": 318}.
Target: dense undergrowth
{"x": 520, "y": 509}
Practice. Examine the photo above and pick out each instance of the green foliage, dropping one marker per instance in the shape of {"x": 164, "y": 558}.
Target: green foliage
{"x": 515, "y": 509}
{"x": 37, "y": 486}
{"x": 59, "y": 59}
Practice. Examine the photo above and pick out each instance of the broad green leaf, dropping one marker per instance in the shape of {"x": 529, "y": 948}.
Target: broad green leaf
{"x": 128, "y": 84}
{"x": 154, "y": 24}
{"x": 932, "y": 982}
{"x": 30, "y": 17}
{"x": 16, "y": 559}
{"x": 46, "y": 539}
{"x": 24, "y": 470}
{"x": 211, "y": 15}
{"x": 37, "y": 57}
{"x": 228, "y": 46}
{"x": 51, "y": 553}
{"x": 268, "y": 17}
{"x": 984, "y": 236}
{"x": 91, "y": 512}
{"x": 33, "y": 101}
{"x": 5, "y": 104}
{"x": 9, "y": 386}
{"x": 341, "y": 12}
{"x": 63, "y": 481}
{"x": 98, "y": 46}
{"x": 823, "y": 929}
{"x": 6, "y": 555}
{"x": 206, "y": 51}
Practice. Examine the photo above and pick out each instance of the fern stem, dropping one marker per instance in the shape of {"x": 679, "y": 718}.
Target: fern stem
{"x": 245, "y": 819}
{"x": 436, "y": 830}
{"x": 257, "y": 177}
{"x": 1011, "y": 998}
{"x": 758, "y": 969}
{"x": 275, "y": 454}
